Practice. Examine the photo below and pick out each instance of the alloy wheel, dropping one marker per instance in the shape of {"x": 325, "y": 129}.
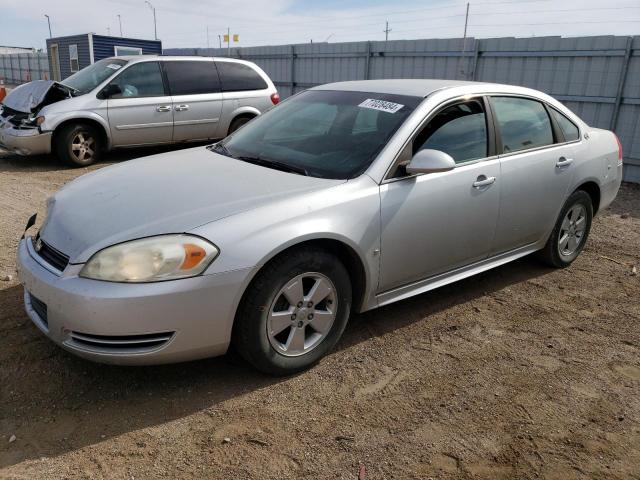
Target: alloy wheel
{"x": 302, "y": 314}
{"x": 572, "y": 230}
{"x": 83, "y": 147}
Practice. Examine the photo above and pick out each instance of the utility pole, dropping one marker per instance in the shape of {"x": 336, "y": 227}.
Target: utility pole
{"x": 228, "y": 42}
{"x": 466, "y": 22}
{"x": 120, "y": 23}
{"x": 219, "y": 41}
{"x": 155, "y": 27}
{"x": 464, "y": 37}
{"x": 386, "y": 31}
{"x": 207, "y": 36}
{"x": 48, "y": 23}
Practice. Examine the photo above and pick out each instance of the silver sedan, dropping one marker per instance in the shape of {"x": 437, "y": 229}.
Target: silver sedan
{"x": 344, "y": 198}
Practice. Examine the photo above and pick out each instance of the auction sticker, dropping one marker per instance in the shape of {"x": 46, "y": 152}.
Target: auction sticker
{"x": 381, "y": 105}
{"x": 114, "y": 66}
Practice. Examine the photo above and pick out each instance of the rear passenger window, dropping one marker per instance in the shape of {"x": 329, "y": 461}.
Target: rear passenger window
{"x": 569, "y": 129}
{"x": 237, "y": 77}
{"x": 191, "y": 78}
{"x": 523, "y": 123}
{"x": 459, "y": 130}
{"x": 140, "y": 80}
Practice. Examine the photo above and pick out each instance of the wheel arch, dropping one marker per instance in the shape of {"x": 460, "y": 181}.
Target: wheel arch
{"x": 244, "y": 112}
{"x": 593, "y": 190}
{"x": 347, "y": 254}
{"x": 100, "y": 128}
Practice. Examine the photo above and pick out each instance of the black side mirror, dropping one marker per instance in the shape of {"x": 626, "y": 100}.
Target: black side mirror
{"x": 109, "y": 91}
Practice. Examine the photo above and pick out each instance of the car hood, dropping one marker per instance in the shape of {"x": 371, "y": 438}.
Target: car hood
{"x": 31, "y": 97}
{"x": 168, "y": 193}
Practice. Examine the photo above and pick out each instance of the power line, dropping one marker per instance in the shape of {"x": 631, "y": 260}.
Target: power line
{"x": 431, "y": 18}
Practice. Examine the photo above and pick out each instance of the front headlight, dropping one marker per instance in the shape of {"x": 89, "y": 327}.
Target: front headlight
{"x": 153, "y": 259}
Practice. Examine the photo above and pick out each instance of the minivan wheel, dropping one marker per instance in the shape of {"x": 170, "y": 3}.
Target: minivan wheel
{"x": 78, "y": 145}
{"x": 294, "y": 312}
{"x": 237, "y": 123}
{"x": 570, "y": 232}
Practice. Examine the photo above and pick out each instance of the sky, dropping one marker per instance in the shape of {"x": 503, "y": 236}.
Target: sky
{"x": 184, "y": 23}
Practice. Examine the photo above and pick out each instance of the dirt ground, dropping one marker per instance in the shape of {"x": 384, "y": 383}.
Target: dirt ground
{"x": 521, "y": 372}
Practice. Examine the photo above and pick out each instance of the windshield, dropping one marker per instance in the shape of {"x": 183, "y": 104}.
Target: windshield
{"x": 321, "y": 133}
{"x": 90, "y": 77}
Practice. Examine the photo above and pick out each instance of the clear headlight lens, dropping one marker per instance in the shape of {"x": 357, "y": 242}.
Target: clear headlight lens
{"x": 153, "y": 259}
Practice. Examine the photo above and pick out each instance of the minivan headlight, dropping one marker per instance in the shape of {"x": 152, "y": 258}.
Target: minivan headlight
{"x": 152, "y": 259}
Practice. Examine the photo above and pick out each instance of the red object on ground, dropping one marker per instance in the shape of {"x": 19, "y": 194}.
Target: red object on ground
{"x": 362, "y": 474}
{"x": 3, "y": 91}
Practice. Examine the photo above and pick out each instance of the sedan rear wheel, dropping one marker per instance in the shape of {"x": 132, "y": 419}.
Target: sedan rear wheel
{"x": 294, "y": 311}
{"x": 570, "y": 232}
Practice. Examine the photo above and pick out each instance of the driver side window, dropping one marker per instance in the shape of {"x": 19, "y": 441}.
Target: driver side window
{"x": 459, "y": 130}
{"x": 140, "y": 80}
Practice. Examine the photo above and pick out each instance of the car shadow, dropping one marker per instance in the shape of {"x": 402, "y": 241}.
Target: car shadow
{"x": 55, "y": 402}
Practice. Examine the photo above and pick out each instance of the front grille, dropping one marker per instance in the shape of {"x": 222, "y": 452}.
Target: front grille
{"x": 53, "y": 257}
{"x": 40, "y": 308}
{"x": 120, "y": 343}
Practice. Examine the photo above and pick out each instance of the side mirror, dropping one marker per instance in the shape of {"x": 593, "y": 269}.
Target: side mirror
{"x": 430, "y": 161}
{"x": 109, "y": 91}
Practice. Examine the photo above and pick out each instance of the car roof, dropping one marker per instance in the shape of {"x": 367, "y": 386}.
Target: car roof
{"x": 142, "y": 58}
{"x": 410, "y": 87}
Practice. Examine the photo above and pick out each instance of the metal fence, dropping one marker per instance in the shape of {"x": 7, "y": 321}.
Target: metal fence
{"x": 18, "y": 68}
{"x": 596, "y": 77}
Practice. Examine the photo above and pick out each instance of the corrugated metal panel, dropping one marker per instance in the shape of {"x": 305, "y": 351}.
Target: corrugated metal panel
{"x": 84, "y": 58}
{"x": 103, "y": 46}
{"x": 21, "y": 67}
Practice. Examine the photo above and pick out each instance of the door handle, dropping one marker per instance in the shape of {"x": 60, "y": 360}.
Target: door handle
{"x": 564, "y": 162}
{"x": 181, "y": 108}
{"x": 163, "y": 108}
{"x": 483, "y": 181}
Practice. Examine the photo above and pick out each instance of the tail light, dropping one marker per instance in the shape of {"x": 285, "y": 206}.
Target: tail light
{"x": 619, "y": 148}
{"x": 275, "y": 98}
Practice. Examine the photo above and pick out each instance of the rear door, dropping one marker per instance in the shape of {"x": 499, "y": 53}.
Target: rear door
{"x": 197, "y": 99}
{"x": 141, "y": 112}
{"x": 536, "y": 170}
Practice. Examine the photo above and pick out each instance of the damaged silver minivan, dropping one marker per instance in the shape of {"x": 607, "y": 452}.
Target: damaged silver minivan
{"x": 133, "y": 101}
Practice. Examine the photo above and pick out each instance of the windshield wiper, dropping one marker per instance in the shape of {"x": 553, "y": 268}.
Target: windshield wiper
{"x": 219, "y": 148}
{"x": 265, "y": 162}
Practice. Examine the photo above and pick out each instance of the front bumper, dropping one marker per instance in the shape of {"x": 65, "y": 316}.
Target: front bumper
{"x": 28, "y": 141}
{"x": 131, "y": 324}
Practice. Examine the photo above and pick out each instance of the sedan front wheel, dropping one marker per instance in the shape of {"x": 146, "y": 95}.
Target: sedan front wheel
{"x": 294, "y": 312}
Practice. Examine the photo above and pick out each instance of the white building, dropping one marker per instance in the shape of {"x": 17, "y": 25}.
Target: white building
{"x": 5, "y": 50}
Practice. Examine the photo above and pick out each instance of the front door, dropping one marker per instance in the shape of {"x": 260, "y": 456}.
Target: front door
{"x": 140, "y": 110}
{"x": 197, "y": 99}
{"x": 437, "y": 222}
{"x": 536, "y": 170}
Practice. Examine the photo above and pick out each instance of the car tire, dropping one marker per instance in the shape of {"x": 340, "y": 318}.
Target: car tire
{"x": 570, "y": 232}
{"x": 78, "y": 144}
{"x": 272, "y": 303}
{"x": 237, "y": 123}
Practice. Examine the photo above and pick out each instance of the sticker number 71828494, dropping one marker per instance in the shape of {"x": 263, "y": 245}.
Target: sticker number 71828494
{"x": 381, "y": 105}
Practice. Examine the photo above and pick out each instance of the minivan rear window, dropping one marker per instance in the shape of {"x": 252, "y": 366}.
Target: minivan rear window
{"x": 237, "y": 77}
{"x": 192, "y": 77}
